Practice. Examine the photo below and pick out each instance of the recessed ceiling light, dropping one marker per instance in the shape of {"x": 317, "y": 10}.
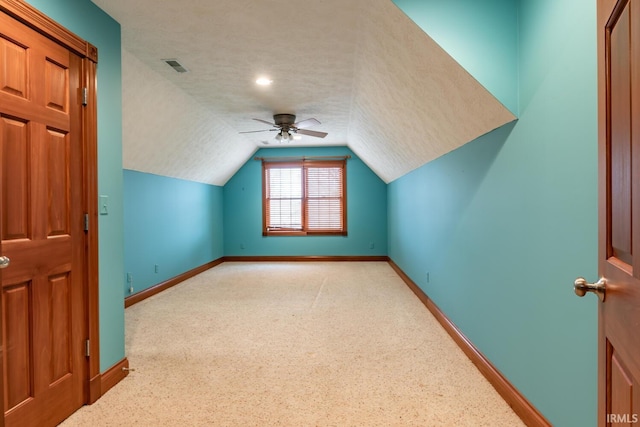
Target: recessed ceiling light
{"x": 264, "y": 81}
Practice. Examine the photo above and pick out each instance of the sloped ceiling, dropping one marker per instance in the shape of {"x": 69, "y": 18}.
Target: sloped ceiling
{"x": 374, "y": 80}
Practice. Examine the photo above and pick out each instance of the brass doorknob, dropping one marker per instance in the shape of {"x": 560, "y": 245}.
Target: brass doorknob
{"x": 581, "y": 287}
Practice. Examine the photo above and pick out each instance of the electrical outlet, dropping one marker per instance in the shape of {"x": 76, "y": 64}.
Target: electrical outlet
{"x": 156, "y": 268}
{"x": 428, "y": 277}
{"x": 129, "y": 278}
{"x": 371, "y": 245}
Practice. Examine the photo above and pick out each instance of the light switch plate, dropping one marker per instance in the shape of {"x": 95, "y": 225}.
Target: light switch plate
{"x": 104, "y": 205}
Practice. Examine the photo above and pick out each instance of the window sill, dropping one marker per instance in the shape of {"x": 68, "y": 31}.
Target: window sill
{"x": 304, "y": 233}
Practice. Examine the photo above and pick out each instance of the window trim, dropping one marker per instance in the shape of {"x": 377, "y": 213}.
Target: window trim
{"x": 304, "y": 163}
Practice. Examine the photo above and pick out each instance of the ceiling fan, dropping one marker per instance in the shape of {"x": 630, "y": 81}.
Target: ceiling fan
{"x": 286, "y": 126}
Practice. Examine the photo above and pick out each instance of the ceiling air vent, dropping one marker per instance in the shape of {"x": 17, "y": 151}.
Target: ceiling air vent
{"x": 173, "y": 63}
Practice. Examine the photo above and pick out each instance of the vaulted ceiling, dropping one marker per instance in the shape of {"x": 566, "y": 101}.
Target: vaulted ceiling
{"x": 375, "y": 81}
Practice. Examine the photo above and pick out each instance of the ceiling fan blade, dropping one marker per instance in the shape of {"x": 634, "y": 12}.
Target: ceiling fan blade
{"x": 312, "y": 133}
{"x": 255, "y": 131}
{"x": 264, "y": 121}
{"x": 306, "y": 123}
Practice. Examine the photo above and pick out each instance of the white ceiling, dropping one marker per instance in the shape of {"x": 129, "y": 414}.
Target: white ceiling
{"x": 374, "y": 80}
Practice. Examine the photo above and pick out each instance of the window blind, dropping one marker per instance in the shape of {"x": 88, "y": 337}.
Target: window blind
{"x": 284, "y": 198}
{"x": 323, "y": 198}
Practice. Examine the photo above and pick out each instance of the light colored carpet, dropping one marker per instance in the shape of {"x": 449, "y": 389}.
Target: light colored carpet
{"x": 294, "y": 344}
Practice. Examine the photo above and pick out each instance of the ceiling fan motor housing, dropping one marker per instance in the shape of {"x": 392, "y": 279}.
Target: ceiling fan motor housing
{"x": 284, "y": 119}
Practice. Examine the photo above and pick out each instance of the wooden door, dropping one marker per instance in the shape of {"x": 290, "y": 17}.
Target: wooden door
{"x": 43, "y": 295}
{"x": 619, "y": 224}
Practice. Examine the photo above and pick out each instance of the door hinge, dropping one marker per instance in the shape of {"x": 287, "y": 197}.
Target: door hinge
{"x": 87, "y": 348}
{"x": 85, "y": 96}
{"x": 86, "y": 222}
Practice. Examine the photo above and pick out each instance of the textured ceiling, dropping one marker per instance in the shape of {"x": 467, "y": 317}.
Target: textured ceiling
{"x": 374, "y": 80}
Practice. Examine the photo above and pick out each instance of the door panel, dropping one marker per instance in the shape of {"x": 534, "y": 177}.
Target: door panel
{"x": 58, "y": 183}
{"x": 15, "y": 168}
{"x": 622, "y": 389}
{"x": 57, "y": 84}
{"x": 13, "y": 78}
{"x": 43, "y": 290}
{"x": 17, "y": 323}
{"x": 621, "y": 140}
{"x": 60, "y": 329}
{"x": 619, "y": 194}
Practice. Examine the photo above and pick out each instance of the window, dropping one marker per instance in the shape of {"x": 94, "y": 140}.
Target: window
{"x": 304, "y": 197}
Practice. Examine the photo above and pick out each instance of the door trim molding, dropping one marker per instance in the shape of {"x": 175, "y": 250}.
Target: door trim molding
{"x": 41, "y": 23}
{"x": 520, "y": 404}
{"x": 90, "y": 135}
{"x": 35, "y": 19}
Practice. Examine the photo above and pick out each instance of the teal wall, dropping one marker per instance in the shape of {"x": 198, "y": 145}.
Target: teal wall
{"x": 366, "y": 212}
{"x": 504, "y": 224}
{"x": 91, "y": 23}
{"x": 171, "y": 223}
{"x": 480, "y": 35}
